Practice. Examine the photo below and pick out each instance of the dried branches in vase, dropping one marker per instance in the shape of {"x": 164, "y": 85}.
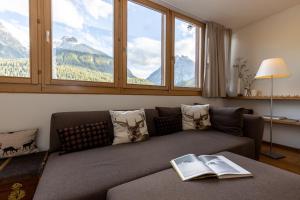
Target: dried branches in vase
{"x": 245, "y": 76}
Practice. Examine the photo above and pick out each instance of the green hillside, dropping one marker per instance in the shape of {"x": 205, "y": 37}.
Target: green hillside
{"x": 99, "y": 62}
{"x": 67, "y": 72}
{"x": 85, "y": 66}
{"x": 18, "y": 67}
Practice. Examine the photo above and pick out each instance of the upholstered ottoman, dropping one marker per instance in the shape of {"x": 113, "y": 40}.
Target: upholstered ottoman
{"x": 268, "y": 183}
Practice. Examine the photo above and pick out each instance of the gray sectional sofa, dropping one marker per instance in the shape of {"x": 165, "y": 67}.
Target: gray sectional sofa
{"x": 91, "y": 173}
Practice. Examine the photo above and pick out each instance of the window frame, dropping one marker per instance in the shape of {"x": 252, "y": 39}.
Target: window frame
{"x": 200, "y": 45}
{"x": 15, "y": 84}
{"x": 50, "y": 84}
{"x": 41, "y": 58}
{"x": 165, "y": 44}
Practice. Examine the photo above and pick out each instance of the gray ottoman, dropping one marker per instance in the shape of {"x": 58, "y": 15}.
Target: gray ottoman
{"x": 268, "y": 183}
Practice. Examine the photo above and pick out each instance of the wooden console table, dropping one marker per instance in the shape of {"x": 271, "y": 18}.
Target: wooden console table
{"x": 293, "y": 98}
{"x": 284, "y": 122}
{"x": 283, "y": 98}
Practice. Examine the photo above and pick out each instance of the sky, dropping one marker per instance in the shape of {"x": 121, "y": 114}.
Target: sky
{"x": 91, "y": 22}
{"x": 14, "y": 17}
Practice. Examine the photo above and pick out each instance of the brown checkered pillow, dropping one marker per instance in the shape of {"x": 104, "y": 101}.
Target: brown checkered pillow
{"x": 84, "y": 136}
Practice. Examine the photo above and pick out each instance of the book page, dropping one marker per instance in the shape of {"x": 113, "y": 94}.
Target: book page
{"x": 189, "y": 166}
{"x": 222, "y": 166}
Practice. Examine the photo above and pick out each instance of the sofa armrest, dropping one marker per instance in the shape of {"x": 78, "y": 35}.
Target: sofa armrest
{"x": 254, "y": 128}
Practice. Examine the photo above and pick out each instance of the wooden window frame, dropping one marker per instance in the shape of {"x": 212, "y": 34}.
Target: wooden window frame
{"x": 200, "y": 45}
{"x": 40, "y": 57}
{"x": 52, "y": 85}
{"x": 30, "y": 84}
{"x": 165, "y": 44}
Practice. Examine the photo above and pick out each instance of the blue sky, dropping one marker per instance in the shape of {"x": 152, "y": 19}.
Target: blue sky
{"x": 91, "y": 22}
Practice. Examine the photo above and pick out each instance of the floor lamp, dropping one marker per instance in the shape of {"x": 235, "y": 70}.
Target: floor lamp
{"x": 270, "y": 69}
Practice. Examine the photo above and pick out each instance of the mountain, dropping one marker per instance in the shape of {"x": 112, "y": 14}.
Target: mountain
{"x": 10, "y": 47}
{"x": 184, "y": 72}
{"x": 70, "y": 52}
{"x": 71, "y": 43}
{"x": 155, "y": 77}
{"x": 85, "y": 60}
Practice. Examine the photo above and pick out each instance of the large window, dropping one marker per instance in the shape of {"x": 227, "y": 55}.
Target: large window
{"x": 14, "y": 38}
{"x": 98, "y": 46}
{"x": 83, "y": 40}
{"x": 187, "y": 53}
{"x": 146, "y": 41}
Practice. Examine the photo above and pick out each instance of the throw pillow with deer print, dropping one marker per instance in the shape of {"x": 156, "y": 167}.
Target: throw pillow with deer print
{"x": 18, "y": 143}
{"x": 129, "y": 126}
{"x": 195, "y": 117}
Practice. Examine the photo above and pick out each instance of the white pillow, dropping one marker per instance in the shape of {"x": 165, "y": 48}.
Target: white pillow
{"x": 195, "y": 117}
{"x": 129, "y": 126}
{"x": 18, "y": 143}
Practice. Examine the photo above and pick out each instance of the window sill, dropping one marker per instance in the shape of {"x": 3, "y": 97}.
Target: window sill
{"x": 72, "y": 89}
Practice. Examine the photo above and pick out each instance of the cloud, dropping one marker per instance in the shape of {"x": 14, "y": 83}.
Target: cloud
{"x": 185, "y": 44}
{"x": 186, "y": 29}
{"x": 21, "y": 33}
{"x": 186, "y": 47}
{"x": 104, "y": 43}
{"x": 64, "y": 11}
{"x": 98, "y": 8}
{"x": 144, "y": 56}
{"x": 18, "y": 6}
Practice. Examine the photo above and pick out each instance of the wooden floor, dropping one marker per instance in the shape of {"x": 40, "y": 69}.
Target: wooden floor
{"x": 291, "y": 162}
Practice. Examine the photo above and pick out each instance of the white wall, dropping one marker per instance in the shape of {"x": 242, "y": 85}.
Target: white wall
{"x": 25, "y": 111}
{"x": 275, "y": 36}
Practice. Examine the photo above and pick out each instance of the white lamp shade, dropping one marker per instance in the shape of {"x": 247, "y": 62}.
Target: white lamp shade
{"x": 273, "y": 68}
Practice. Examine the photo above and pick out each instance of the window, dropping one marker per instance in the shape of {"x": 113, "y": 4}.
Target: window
{"x": 98, "y": 46}
{"x": 16, "y": 46}
{"x": 83, "y": 40}
{"x": 187, "y": 53}
{"x": 146, "y": 41}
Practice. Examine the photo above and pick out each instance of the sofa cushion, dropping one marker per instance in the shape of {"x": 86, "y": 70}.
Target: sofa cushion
{"x": 167, "y": 125}
{"x": 89, "y": 174}
{"x": 195, "y": 117}
{"x": 84, "y": 136}
{"x": 18, "y": 143}
{"x": 168, "y": 111}
{"x": 129, "y": 126}
{"x": 228, "y": 119}
{"x": 68, "y": 119}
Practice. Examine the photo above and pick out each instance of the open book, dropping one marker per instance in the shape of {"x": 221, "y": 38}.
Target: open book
{"x": 191, "y": 166}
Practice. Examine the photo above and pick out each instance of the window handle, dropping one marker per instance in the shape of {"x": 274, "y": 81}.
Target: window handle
{"x": 173, "y": 60}
{"x": 48, "y": 36}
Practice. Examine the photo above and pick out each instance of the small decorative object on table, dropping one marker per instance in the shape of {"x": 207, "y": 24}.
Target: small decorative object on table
{"x": 19, "y": 175}
{"x": 245, "y": 77}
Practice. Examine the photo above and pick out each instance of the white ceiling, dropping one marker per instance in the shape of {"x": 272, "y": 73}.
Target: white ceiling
{"x": 231, "y": 13}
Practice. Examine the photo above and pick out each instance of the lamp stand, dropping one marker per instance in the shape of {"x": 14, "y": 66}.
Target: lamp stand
{"x": 270, "y": 153}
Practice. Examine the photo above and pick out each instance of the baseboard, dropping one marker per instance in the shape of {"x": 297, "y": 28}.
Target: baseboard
{"x": 283, "y": 147}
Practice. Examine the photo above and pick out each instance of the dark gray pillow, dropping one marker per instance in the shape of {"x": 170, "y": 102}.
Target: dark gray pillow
{"x": 168, "y": 124}
{"x": 227, "y": 119}
{"x": 168, "y": 111}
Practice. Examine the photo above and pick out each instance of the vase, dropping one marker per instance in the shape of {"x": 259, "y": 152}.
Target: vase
{"x": 247, "y": 92}
{"x": 238, "y": 87}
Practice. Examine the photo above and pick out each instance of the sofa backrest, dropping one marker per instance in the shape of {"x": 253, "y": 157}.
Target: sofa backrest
{"x": 69, "y": 119}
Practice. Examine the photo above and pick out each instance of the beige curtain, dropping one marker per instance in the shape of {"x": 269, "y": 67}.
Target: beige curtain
{"x": 217, "y": 60}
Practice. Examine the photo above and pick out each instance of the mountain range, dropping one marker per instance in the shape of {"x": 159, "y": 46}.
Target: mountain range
{"x": 69, "y": 52}
{"x": 10, "y": 47}
{"x": 184, "y": 72}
